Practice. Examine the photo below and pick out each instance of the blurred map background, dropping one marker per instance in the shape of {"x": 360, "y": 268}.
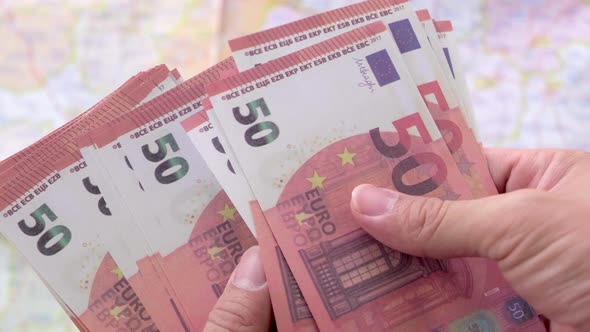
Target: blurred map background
{"x": 527, "y": 64}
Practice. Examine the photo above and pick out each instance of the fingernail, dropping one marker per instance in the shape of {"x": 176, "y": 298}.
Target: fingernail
{"x": 249, "y": 274}
{"x": 372, "y": 201}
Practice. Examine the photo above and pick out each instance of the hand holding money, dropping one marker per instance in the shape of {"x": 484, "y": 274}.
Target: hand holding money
{"x": 537, "y": 231}
{"x": 139, "y": 214}
{"x": 428, "y": 227}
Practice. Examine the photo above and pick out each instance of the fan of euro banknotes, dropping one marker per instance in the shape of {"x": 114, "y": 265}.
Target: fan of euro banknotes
{"x": 136, "y": 212}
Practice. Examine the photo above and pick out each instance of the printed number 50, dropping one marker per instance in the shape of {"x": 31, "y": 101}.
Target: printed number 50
{"x": 402, "y": 149}
{"x": 517, "y": 311}
{"x": 253, "y": 134}
{"x": 170, "y": 163}
{"x": 43, "y": 243}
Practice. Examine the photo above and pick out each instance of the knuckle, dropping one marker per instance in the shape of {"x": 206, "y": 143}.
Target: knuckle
{"x": 424, "y": 218}
{"x": 232, "y": 315}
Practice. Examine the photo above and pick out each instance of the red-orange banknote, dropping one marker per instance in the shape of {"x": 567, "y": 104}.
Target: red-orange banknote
{"x": 136, "y": 212}
{"x": 305, "y": 133}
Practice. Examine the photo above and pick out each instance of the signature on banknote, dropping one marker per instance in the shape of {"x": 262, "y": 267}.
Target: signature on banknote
{"x": 365, "y": 73}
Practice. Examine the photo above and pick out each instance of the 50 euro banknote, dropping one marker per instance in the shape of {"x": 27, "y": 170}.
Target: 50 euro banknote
{"x": 305, "y": 133}
{"x": 290, "y": 309}
{"x": 417, "y": 54}
{"x": 138, "y": 257}
{"x": 196, "y": 235}
{"x": 51, "y": 216}
{"x": 263, "y": 46}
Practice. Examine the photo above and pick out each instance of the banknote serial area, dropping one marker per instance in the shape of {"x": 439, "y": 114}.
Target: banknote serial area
{"x": 147, "y": 146}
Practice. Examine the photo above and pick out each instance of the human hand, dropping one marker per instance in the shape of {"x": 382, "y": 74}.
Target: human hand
{"x": 538, "y": 230}
{"x": 244, "y": 305}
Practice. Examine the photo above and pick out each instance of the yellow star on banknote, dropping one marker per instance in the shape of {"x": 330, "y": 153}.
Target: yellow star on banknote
{"x": 316, "y": 180}
{"x": 118, "y": 273}
{"x": 301, "y": 217}
{"x": 117, "y": 310}
{"x": 228, "y": 213}
{"x": 213, "y": 251}
{"x": 347, "y": 157}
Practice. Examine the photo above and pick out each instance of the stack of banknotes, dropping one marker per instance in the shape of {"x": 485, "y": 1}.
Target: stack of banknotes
{"x": 137, "y": 211}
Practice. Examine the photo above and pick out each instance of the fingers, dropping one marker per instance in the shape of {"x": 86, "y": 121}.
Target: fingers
{"x": 514, "y": 169}
{"x": 501, "y": 162}
{"x": 245, "y": 304}
{"x": 489, "y": 227}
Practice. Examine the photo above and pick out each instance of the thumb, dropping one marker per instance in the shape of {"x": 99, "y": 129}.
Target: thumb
{"x": 489, "y": 227}
{"x": 244, "y": 305}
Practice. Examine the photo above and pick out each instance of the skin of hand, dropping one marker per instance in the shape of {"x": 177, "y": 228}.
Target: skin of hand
{"x": 244, "y": 305}
{"x": 537, "y": 229}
